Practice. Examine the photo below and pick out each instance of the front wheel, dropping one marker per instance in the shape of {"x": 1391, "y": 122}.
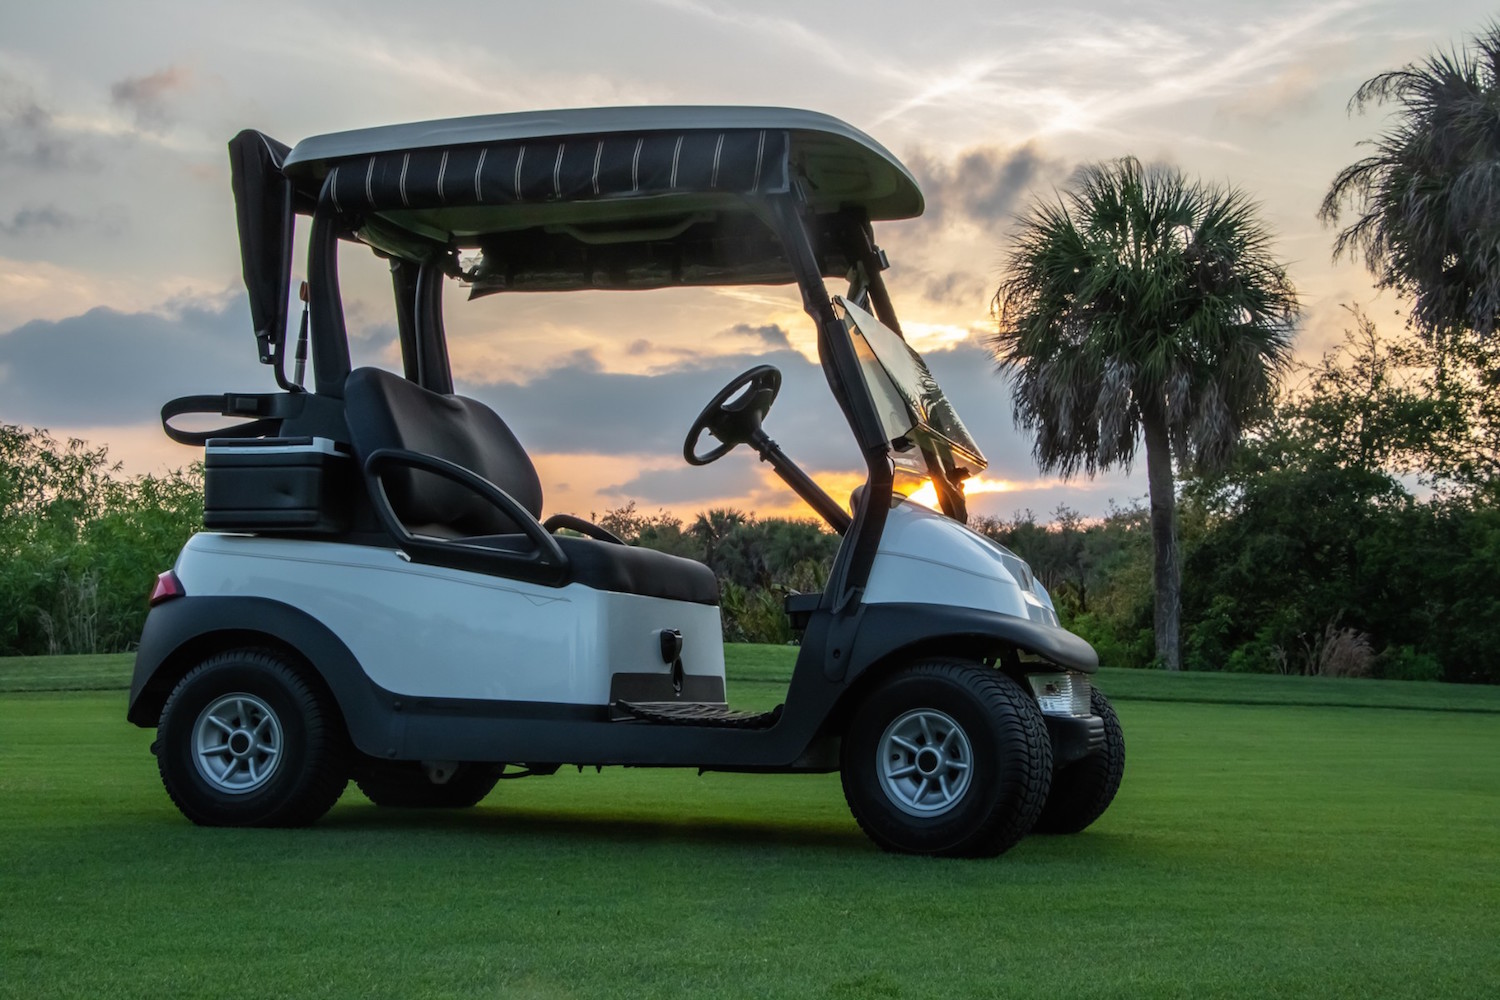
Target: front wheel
{"x": 947, "y": 758}
{"x": 245, "y": 741}
{"x": 1082, "y": 790}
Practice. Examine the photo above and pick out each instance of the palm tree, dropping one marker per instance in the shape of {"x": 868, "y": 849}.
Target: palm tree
{"x": 1139, "y": 307}
{"x": 1427, "y": 201}
{"x": 712, "y": 528}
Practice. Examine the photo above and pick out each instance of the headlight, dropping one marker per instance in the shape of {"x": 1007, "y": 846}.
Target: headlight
{"x": 1061, "y": 693}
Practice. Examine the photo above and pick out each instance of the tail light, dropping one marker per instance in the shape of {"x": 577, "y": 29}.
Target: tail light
{"x": 167, "y": 587}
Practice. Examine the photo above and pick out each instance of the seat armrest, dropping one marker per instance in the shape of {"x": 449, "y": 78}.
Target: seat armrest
{"x": 546, "y": 563}
{"x": 578, "y": 524}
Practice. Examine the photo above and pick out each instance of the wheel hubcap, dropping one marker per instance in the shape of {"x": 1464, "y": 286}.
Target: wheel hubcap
{"x": 237, "y": 743}
{"x": 925, "y": 762}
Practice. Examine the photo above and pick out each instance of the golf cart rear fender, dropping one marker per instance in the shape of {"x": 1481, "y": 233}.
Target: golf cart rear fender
{"x": 181, "y": 633}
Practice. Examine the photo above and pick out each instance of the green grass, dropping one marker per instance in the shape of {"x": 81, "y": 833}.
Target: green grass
{"x": 1255, "y": 851}
{"x": 93, "y": 672}
{"x": 1269, "y": 689}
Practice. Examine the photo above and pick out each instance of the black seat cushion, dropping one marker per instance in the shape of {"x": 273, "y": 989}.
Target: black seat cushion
{"x": 629, "y": 569}
{"x": 625, "y": 569}
{"x": 386, "y": 411}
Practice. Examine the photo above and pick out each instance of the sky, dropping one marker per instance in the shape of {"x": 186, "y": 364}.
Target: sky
{"x": 119, "y": 272}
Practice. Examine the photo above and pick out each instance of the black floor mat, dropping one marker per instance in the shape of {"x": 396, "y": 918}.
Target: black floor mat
{"x": 668, "y": 713}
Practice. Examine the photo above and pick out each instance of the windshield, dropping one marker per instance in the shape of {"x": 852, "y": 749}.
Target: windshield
{"x": 927, "y": 437}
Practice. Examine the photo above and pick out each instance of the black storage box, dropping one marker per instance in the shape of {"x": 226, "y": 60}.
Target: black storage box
{"x": 301, "y": 485}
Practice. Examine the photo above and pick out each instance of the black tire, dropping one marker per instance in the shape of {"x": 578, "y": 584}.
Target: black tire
{"x": 1082, "y": 790}
{"x": 292, "y": 787}
{"x": 1009, "y": 753}
{"x": 405, "y": 785}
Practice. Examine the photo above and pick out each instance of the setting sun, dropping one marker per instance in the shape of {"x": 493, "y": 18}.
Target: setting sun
{"x": 926, "y": 494}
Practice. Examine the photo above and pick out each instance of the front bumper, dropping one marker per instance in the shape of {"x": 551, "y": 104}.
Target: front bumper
{"x": 1074, "y": 737}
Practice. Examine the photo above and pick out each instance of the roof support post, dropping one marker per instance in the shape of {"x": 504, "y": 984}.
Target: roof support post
{"x": 432, "y": 338}
{"x": 404, "y": 286}
{"x": 330, "y": 338}
{"x": 851, "y": 569}
{"x": 873, "y": 262}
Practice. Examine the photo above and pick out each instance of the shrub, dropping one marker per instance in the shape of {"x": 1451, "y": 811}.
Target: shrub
{"x": 1405, "y": 663}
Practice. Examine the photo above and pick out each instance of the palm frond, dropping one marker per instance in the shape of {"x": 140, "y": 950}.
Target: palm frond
{"x": 1426, "y": 202}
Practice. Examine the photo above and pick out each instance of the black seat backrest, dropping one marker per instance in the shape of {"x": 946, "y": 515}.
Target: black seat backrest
{"x": 387, "y": 411}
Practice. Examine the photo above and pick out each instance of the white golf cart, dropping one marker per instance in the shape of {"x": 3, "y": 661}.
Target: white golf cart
{"x": 379, "y": 596}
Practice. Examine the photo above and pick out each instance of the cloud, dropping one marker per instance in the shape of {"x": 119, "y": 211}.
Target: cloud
{"x": 687, "y": 484}
{"x": 981, "y": 188}
{"x": 770, "y": 334}
{"x": 147, "y": 98}
{"x": 1092, "y": 497}
{"x": 789, "y": 34}
{"x": 1290, "y": 92}
{"x": 960, "y": 289}
{"x": 107, "y": 368}
{"x": 576, "y": 406}
{"x": 984, "y": 184}
{"x": 30, "y": 136}
{"x": 36, "y": 221}
{"x": 110, "y": 371}
{"x": 45, "y": 218}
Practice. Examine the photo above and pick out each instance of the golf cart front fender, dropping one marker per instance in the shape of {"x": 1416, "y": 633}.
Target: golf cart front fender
{"x": 183, "y": 632}
{"x": 888, "y": 630}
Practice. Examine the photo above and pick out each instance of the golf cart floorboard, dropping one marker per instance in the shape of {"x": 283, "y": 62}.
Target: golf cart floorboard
{"x": 718, "y": 716}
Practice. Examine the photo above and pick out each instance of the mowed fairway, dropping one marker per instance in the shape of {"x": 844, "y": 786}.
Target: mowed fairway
{"x": 1253, "y": 851}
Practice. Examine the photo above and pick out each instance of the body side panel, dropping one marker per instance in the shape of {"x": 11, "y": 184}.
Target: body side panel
{"x": 435, "y": 632}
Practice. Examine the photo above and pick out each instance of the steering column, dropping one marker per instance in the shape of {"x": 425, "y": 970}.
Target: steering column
{"x": 734, "y": 418}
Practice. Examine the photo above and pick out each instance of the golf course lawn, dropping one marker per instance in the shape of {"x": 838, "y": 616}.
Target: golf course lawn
{"x": 1255, "y": 850}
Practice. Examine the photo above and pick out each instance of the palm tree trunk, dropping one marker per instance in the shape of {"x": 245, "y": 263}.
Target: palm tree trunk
{"x": 1167, "y": 573}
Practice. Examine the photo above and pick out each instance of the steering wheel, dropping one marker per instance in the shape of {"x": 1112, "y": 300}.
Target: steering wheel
{"x": 734, "y": 421}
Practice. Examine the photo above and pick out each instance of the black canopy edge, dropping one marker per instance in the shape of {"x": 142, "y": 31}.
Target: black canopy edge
{"x": 578, "y": 168}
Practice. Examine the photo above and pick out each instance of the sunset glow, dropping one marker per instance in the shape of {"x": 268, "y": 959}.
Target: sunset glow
{"x": 926, "y": 494}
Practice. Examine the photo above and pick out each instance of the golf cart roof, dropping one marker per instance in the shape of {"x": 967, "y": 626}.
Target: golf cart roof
{"x": 843, "y": 166}
{"x": 617, "y": 198}
{"x": 638, "y": 197}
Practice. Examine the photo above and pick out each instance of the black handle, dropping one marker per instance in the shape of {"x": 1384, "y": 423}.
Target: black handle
{"x": 267, "y": 409}
{"x": 578, "y": 524}
{"x": 547, "y": 563}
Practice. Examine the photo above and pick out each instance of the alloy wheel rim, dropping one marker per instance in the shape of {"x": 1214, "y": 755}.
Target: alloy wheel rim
{"x": 237, "y": 743}
{"x": 925, "y": 762}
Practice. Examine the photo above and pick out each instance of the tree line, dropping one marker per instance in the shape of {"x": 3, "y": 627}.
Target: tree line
{"x": 80, "y": 545}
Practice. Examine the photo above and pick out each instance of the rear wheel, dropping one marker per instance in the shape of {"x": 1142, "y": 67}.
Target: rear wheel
{"x": 245, "y": 741}
{"x": 1082, "y": 790}
{"x": 407, "y": 785}
{"x": 947, "y": 758}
